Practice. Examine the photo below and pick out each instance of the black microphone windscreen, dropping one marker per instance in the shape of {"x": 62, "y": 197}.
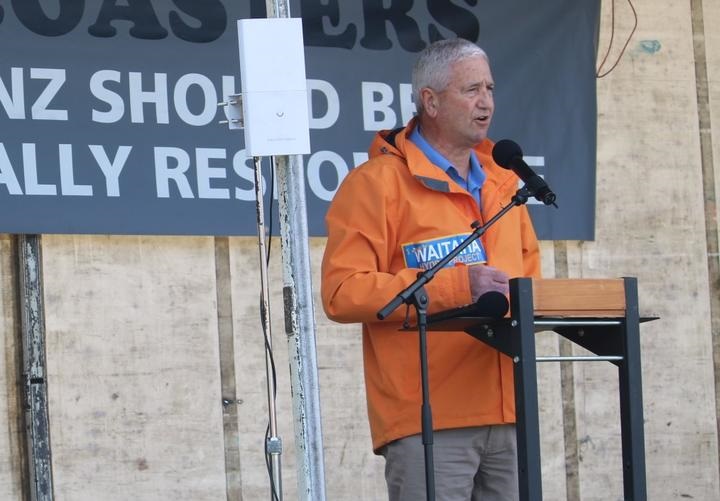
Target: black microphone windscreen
{"x": 492, "y": 304}
{"x": 504, "y": 151}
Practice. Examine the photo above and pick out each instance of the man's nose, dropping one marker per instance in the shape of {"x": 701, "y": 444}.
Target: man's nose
{"x": 485, "y": 99}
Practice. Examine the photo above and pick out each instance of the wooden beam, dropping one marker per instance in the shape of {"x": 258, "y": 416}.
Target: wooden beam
{"x": 579, "y": 297}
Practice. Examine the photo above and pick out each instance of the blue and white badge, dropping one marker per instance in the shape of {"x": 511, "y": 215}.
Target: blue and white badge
{"x": 426, "y": 254}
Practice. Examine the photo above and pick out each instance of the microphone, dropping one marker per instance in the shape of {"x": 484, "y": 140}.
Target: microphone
{"x": 492, "y": 304}
{"x": 508, "y": 155}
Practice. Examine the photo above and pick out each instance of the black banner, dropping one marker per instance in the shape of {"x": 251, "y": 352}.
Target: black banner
{"x": 109, "y": 114}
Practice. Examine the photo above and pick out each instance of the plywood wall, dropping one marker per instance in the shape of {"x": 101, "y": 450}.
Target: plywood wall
{"x": 133, "y": 324}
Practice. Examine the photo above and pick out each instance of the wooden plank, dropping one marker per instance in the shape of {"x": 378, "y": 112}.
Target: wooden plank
{"x": 579, "y": 297}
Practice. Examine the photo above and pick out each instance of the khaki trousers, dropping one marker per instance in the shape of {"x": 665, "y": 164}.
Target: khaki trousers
{"x": 471, "y": 464}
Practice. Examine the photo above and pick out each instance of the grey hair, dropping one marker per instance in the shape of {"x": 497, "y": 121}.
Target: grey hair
{"x": 432, "y": 68}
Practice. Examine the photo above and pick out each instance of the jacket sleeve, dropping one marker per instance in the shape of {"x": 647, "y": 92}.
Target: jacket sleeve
{"x": 359, "y": 275}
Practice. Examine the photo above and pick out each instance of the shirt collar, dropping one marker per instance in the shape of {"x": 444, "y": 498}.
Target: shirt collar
{"x": 476, "y": 176}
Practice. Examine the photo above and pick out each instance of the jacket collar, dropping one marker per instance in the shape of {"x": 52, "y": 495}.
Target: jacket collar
{"x": 397, "y": 142}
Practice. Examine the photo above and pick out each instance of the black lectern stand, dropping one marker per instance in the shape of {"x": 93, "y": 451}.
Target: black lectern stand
{"x": 600, "y": 315}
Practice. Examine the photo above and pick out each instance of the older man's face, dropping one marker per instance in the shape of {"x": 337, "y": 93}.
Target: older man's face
{"x": 466, "y": 105}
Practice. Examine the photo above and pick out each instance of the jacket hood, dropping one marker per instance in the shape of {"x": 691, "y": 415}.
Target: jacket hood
{"x": 386, "y": 141}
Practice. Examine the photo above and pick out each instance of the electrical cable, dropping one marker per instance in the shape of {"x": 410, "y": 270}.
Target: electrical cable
{"x": 612, "y": 36}
{"x": 265, "y": 316}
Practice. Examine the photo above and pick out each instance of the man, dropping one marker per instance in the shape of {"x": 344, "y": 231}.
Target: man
{"x": 398, "y": 214}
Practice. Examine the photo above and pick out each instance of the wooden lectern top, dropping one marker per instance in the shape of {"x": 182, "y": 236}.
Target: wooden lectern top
{"x": 560, "y": 297}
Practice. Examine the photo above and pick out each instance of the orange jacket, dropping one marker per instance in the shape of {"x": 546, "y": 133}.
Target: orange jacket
{"x": 399, "y": 197}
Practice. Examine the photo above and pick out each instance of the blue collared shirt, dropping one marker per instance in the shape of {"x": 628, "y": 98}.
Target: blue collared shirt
{"x": 476, "y": 176}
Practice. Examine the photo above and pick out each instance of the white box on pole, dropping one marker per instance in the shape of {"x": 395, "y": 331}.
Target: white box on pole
{"x": 274, "y": 87}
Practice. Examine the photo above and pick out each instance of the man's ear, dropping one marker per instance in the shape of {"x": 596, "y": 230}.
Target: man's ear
{"x": 429, "y": 100}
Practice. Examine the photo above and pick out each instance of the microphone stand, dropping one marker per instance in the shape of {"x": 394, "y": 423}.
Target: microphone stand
{"x": 416, "y": 296}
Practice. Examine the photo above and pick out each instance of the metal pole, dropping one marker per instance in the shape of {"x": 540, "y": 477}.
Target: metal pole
{"x": 631, "y": 402}
{"x": 300, "y": 328}
{"x": 32, "y": 321}
{"x": 299, "y": 314}
{"x": 273, "y": 446}
{"x": 526, "y": 400}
